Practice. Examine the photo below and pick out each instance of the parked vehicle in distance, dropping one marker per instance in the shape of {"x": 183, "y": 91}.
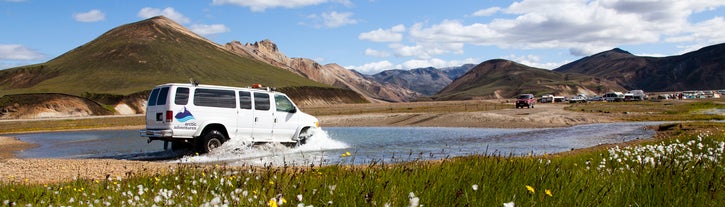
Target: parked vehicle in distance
{"x": 525, "y": 100}
{"x": 581, "y": 98}
{"x": 613, "y": 97}
{"x": 635, "y": 95}
{"x": 559, "y": 99}
{"x": 206, "y": 116}
{"x": 595, "y": 98}
{"x": 548, "y": 98}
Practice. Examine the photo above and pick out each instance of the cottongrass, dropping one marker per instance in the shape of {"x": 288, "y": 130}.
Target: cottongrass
{"x": 682, "y": 171}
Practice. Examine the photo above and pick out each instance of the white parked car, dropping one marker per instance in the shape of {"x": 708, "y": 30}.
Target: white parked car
{"x": 206, "y": 116}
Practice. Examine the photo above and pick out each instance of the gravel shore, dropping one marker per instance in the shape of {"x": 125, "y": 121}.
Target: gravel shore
{"x": 35, "y": 171}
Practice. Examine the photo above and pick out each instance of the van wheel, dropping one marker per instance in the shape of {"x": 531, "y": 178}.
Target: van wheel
{"x": 212, "y": 140}
{"x": 304, "y": 135}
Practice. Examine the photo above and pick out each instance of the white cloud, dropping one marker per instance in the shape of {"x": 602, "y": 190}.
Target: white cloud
{"x": 374, "y": 67}
{"x": 262, "y": 5}
{"x": 376, "y": 53}
{"x": 486, "y": 12}
{"x": 534, "y": 61}
{"x": 426, "y": 50}
{"x": 393, "y": 34}
{"x": 18, "y": 52}
{"x": 90, "y": 16}
{"x": 168, "y": 12}
{"x": 582, "y": 27}
{"x": 702, "y": 34}
{"x": 207, "y": 29}
{"x": 337, "y": 19}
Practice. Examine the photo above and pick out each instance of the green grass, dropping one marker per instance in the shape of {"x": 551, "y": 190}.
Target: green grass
{"x": 654, "y": 110}
{"x": 685, "y": 169}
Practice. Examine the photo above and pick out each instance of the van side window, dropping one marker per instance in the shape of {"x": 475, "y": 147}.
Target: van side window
{"x": 163, "y": 94}
{"x": 215, "y": 98}
{"x": 182, "y": 96}
{"x": 283, "y": 103}
{"x": 152, "y": 98}
{"x": 261, "y": 101}
{"x": 245, "y": 100}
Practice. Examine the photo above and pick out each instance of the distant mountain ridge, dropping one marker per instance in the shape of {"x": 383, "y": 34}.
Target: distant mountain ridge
{"x": 500, "y": 78}
{"x": 332, "y": 74}
{"x": 698, "y": 70}
{"x": 426, "y": 81}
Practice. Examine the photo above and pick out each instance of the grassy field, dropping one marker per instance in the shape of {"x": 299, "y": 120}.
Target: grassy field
{"x": 655, "y": 110}
{"x": 685, "y": 169}
{"x": 683, "y": 166}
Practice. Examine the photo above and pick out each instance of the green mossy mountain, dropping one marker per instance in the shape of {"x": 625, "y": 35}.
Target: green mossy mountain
{"x": 138, "y": 56}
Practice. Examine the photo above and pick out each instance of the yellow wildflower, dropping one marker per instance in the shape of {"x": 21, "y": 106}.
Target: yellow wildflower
{"x": 273, "y": 203}
{"x": 531, "y": 189}
{"x": 548, "y": 192}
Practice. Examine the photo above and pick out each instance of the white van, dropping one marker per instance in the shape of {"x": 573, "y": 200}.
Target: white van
{"x": 206, "y": 116}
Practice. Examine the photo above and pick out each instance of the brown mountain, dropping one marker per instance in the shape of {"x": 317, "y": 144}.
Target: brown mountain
{"x": 698, "y": 70}
{"x": 332, "y": 74}
{"x": 504, "y": 79}
{"x": 130, "y": 59}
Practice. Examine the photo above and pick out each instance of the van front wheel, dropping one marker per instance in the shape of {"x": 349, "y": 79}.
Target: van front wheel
{"x": 212, "y": 140}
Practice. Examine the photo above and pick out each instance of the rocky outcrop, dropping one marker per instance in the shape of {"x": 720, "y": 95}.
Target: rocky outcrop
{"x": 331, "y": 74}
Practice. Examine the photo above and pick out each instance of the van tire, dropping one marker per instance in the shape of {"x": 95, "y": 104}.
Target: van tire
{"x": 211, "y": 140}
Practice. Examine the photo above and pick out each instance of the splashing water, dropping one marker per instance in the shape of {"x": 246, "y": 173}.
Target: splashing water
{"x": 235, "y": 152}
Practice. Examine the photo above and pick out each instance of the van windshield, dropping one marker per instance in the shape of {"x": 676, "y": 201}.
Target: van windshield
{"x": 524, "y": 97}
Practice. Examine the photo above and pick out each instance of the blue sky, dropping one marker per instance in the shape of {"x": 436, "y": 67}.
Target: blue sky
{"x": 374, "y": 35}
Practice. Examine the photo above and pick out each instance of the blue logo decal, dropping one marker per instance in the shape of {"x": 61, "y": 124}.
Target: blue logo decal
{"x": 184, "y": 116}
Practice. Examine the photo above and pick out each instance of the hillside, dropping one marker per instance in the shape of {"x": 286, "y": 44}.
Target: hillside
{"x": 137, "y": 56}
{"x": 331, "y": 74}
{"x": 426, "y": 81}
{"x": 504, "y": 79}
{"x": 697, "y": 70}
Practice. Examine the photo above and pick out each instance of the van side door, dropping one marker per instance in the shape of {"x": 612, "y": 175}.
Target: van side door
{"x": 286, "y": 123}
{"x": 245, "y": 116}
{"x": 263, "y": 117}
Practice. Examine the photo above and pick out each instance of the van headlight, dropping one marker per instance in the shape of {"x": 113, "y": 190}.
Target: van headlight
{"x": 317, "y": 124}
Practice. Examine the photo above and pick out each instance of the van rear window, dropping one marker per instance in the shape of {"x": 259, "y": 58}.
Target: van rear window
{"x": 152, "y": 98}
{"x": 163, "y": 94}
{"x": 215, "y": 98}
{"x": 158, "y": 96}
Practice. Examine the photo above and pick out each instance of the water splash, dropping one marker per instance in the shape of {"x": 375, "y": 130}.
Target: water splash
{"x": 235, "y": 152}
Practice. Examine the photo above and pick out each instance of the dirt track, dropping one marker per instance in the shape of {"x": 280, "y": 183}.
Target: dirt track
{"x": 58, "y": 170}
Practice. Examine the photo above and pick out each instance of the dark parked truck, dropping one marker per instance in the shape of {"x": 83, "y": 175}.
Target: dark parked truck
{"x": 206, "y": 116}
{"x": 525, "y": 100}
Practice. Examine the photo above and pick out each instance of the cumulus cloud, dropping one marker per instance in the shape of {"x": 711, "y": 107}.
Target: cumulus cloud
{"x": 337, "y": 19}
{"x": 207, "y": 29}
{"x": 374, "y": 67}
{"x": 376, "y": 53}
{"x": 534, "y": 61}
{"x": 262, "y": 5}
{"x": 486, "y": 12}
{"x": 394, "y": 34}
{"x": 90, "y": 16}
{"x": 582, "y": 27}
{"x": 18, "y": 52}
{"x": 168, "y": 12}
